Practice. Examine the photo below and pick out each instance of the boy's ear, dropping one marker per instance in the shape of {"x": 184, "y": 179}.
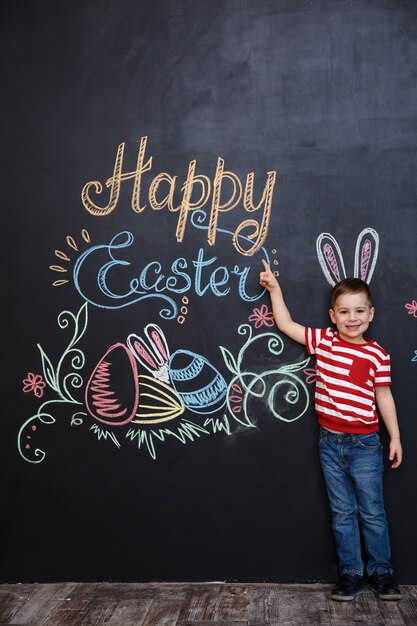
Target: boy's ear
{"x": 371, "y": 313}
{"x": 332, "y": 316}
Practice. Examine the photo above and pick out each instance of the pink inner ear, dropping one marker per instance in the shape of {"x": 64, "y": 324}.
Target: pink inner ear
{"x": 365, "y": 258}
{"x": 157, "y": 340}
{"x": 144, "y": 354}
{"x": 331, "y": 260}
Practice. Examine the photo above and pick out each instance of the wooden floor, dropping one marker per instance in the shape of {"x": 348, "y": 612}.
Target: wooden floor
{"x": 197, "y": 605}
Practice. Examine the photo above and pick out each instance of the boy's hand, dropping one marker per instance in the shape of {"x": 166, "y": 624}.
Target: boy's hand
{"x": 267, "y": 278}
{"x": 395, "y": 453}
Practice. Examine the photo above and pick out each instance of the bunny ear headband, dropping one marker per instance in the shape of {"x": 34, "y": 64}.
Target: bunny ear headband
{"x": 331, "y": 259}
{"x": 153, "y": 354}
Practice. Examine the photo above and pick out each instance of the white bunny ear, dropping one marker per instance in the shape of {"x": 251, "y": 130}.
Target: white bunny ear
{"x": 330, "y": 258}
{"x": 157, "y": 340}
{"x": 366, "y": 254}
{"x": 155, "y": 356}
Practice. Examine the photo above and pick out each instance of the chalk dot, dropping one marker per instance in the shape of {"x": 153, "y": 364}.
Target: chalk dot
{"x": 180, "y": 319}
{"x": 185, "y": 300}
{"x": 274, "y": 251}
{"x": 276, "y": 273}
{"x": 184, "y": 310}
{"x": 276, "y": 262}
{"x": 33, "y": 427}
{"x": 27, "y": 446}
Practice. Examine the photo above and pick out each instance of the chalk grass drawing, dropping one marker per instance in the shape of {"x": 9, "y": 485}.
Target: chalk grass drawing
{"x": 331, "y": 259}
{"x": 61, "y": 382}
{"x": 280, "y": 387}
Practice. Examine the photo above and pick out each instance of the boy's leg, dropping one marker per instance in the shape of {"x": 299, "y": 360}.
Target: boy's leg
{"x": 342, "y": 499}
{"x": 366, "y": 469}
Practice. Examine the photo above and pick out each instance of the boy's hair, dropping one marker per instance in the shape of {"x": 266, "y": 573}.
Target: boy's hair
{"x": 350, "y": 285}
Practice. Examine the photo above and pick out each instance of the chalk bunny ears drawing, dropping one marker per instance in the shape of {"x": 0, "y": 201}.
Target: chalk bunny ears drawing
{"x": 331, "y": 259}
{"x": 153, "y": 354}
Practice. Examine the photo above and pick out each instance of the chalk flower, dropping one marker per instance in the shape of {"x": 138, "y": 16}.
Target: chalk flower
{"x": 311, "y": 375}
{"x": 236, "y": 398}
{"x": 262, "y": 317}
{"x": 34, "y": 383}
{"x": 412, "y": 308}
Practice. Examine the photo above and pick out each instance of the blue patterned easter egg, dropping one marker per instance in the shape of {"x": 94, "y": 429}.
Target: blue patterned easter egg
{"x": 201, "y": 387}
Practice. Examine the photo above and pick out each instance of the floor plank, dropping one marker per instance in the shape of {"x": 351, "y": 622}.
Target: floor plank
{"x": 197, "y": 604}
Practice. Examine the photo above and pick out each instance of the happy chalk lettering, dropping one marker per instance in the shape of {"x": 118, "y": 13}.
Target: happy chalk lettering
{"x": 249, "y": 230}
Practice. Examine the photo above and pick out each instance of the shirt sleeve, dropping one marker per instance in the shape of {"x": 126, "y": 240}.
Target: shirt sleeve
{"x": 383, "y": 373}
{"x": 313, "y": 337}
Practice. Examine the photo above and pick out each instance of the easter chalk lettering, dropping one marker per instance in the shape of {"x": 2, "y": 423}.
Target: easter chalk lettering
{"x": 203, "y": 275}
{"x": 256, "y": 230}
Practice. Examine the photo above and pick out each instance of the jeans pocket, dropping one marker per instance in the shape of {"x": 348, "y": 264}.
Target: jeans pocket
{"x": 370, "y": 442}
{"x": 322, "y": 437}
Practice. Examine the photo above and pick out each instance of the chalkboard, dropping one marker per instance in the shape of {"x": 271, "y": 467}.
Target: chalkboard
{"x": 156, "y": 426}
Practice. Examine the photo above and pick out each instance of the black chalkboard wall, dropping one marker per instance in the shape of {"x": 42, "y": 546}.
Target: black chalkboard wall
{"x": 155, "y": 425}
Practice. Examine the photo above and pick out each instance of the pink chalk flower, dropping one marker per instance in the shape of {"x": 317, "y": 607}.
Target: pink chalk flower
{"x": 35, "y": 383}
{"x": 236, "y": 398}
{"x": 412, "y": 308}
{"x": 311, "y": 375}
{"x": 262, "y": 317}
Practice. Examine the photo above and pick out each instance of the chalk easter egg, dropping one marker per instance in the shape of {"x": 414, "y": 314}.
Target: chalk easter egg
{"x": 201, "y": 387}
{"x": 112, "y": 392}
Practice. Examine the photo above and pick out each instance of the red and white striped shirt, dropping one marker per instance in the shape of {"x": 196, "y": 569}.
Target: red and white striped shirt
{"x": 347, "y": 374}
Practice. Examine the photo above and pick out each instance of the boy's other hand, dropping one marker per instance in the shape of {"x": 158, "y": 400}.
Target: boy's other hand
{"x": 395, "y": 453}
{"x": 267, "y": 278}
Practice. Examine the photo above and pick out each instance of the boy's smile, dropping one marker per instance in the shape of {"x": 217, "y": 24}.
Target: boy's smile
{"x": 352, "y": 315}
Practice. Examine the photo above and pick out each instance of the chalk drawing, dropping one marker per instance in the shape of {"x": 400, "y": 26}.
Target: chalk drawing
{"x": 139, "y": 393}
{"x": 331, "y": 259}
{"x": 262, "y": 317}
{"x": 280, "y": 388}
{"x": 34, "y": 383}
{"x": 63, "y": 385}
{"x": 200, "y": 385}
{"x": 151, "y": 352}
{"x": 411, "y": 308}
{"x": 310, "y": 375}
{"x": 64, "y": 257}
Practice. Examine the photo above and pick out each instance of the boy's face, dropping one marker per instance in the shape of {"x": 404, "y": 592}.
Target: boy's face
{"x": 352, "y": 315}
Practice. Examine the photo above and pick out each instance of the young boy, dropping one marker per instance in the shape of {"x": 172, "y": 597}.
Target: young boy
{"x": 352, "y": 374}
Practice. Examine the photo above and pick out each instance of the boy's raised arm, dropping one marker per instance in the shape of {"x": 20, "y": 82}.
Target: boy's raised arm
{"x": 282, "y": 315}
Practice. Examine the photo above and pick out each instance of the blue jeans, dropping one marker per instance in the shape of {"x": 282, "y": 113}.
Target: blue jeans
{"x": 353, "y": 470}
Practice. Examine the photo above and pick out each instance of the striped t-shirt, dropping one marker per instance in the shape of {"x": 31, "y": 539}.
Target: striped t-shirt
{"x": 347, "y": 374}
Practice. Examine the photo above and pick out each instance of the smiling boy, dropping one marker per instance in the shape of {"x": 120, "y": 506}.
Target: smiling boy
{"x": 353, "y": 378}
